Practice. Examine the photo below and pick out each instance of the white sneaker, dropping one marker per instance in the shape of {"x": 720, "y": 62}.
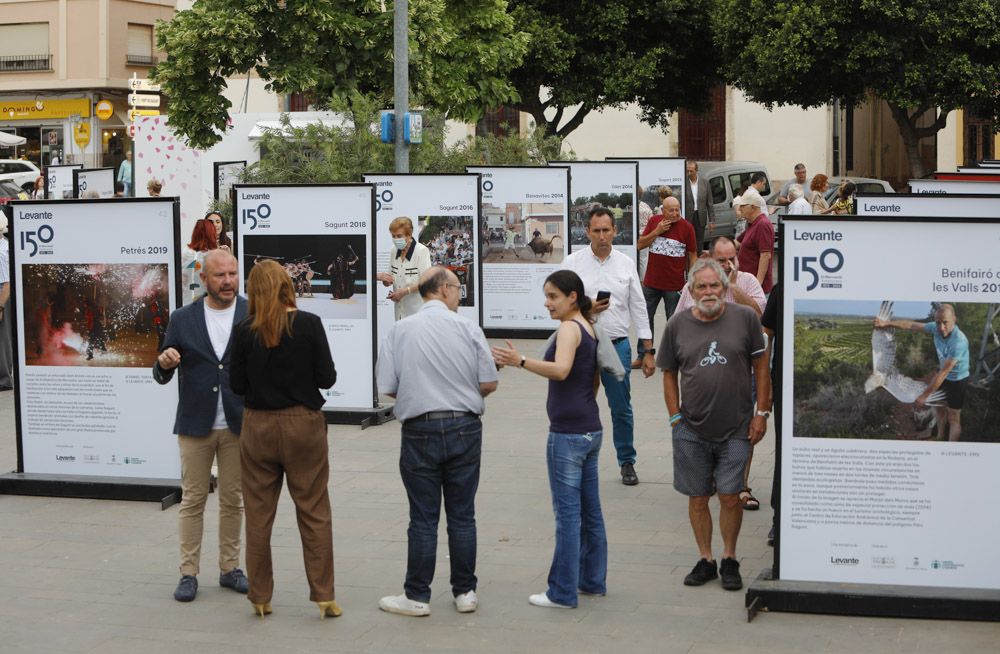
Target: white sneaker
{"x": 403, "y": 605}
{"x": 467, "y": 602}
{"x": 541, "y": 599}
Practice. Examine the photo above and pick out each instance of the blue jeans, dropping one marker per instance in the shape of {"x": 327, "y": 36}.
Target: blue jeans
{"x": 653, "y": 297}
{"x": 580, "y": 560}
{"x": 441, "y": 456}
{"x": 619, "y": 394}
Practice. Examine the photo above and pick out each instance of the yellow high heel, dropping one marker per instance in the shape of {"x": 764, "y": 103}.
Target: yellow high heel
{"x": 331, "y": 609}
{"x": 262, "y": 609}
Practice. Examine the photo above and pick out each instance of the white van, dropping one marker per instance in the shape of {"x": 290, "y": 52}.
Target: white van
{"x": 726, "y": 179}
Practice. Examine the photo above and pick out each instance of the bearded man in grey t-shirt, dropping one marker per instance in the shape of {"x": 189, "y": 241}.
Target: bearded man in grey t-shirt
{"x": 712, "y": 348}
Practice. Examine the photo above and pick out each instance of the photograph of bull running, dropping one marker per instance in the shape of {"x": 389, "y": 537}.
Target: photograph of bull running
{"x": 620, "y": 205}
{"x": 327, "y": 270}
{"x": 527, "y": 232}
{"x": 91, "y": 314}
{"x": 897, "y": 370}
{"x": 450, "y": 241}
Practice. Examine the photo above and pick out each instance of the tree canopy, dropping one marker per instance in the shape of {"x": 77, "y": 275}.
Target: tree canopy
{"x": 609, "y": 53}
{"x": 917, "y": 55}
{"x": 460, "y": 54}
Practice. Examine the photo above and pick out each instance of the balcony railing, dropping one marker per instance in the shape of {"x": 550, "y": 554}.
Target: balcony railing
{"x": 25, "y": 63}
{"x": 140, "y": 60}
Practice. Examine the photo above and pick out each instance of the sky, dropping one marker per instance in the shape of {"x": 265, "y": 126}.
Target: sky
{"x": 910, "y": 310}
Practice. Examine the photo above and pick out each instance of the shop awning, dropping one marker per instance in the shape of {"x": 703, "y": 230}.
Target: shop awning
{"x": 7, "y": 140}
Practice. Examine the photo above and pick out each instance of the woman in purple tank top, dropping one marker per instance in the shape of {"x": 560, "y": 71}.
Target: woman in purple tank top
{"x": 580, "y": 561}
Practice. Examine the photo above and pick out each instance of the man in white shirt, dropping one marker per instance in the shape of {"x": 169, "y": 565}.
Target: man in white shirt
{"x": 602, "y": 268}
{"x": 743, "y": 287}
{"x": 798, "y": 205}
{"x": 698, "y": 207}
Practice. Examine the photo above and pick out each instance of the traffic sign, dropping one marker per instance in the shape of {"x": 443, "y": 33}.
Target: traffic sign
{"x": 135, "y": 113}
{"x": 143, "y": 100}
{"x": 136, "y": 84}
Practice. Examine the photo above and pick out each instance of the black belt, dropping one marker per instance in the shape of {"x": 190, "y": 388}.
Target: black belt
{"x": 441, "y": 415}
{"x": 618, "y": 340}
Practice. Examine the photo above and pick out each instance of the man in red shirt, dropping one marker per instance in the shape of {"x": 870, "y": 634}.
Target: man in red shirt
{"x": 756, "y": 244}
{"x": 673, "y": 249}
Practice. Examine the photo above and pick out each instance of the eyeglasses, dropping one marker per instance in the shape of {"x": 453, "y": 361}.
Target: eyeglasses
{"x": 452, "y": 285}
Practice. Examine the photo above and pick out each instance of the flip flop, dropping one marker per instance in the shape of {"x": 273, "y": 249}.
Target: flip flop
{"x": 750, "y": 503}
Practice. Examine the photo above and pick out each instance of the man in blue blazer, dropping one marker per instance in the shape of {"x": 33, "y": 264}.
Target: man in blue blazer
{"x": 209, "y": 417}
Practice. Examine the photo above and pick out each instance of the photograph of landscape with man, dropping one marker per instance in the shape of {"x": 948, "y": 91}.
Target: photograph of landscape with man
{"x": 323, "y": 267}
{"x": 620, "y": 205}
{"x": 450, "y": 241}
{"x": 94, "y": 314}
{"x": 895, "y": 371}
{"x": 528, "y": 232}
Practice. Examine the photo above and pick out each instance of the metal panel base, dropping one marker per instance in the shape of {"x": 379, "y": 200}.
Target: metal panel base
{"x": 364, "y": 417}
{"x": 768, "y": 594}
{"x": 165, "y": 491}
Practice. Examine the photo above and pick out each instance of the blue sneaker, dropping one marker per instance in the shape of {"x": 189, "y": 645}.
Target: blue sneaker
{"x": 187, "y": 588}
{"x": 236, "y": 580}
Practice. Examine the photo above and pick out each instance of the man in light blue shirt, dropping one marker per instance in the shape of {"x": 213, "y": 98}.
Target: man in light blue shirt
{"x": 952, "y": 348}
{"x": 125, "y": 174}
{"x": 438, "y": 366}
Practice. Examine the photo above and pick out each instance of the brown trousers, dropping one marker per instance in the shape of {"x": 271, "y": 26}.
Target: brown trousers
{"x": 290, "y": 442}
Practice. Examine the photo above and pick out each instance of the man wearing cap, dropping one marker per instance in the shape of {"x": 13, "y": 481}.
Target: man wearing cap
{"x": 756, "y": 244}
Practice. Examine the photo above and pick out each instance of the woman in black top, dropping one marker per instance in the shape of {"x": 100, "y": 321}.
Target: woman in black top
{"x": 280, "y": 359}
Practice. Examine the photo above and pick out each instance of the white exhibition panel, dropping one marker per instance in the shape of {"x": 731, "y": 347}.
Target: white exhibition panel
{"x": 87, "y": 180}
{"x": 428, "y": 200}
{"x": 868, "y": 496}
{"x": 322, "y": 235}
{"x": 899, "y": 204}
{"x": 59, "y": 181}
{"x": 93, "y": 294}
{"x": 659, "y": 171}
{"x": 517, "y": 201}
{"x": 227, "y": 173}
{"x": 947, "y": 186}
{"x": 609, "y": 183}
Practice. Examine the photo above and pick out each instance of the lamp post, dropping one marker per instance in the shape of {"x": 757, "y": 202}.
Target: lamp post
{"x": 401, "y": 80}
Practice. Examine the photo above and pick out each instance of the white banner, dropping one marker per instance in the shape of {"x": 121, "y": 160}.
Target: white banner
{"x": 875, "y": 487}
{"x": 947, "y": 186}
{"x": 59, "y": 181}
{"x": 93, "y": 183}
{"x": 972, "y": 170}
{"x": 227, "y": 173}
{"x": 322, "y": 235}
{"x": 655, "y": 172}
{"x": 603, "y": 183}
{"x": 93, "y": 287}
{"x": 444, "y": 210}
{"x": 898, "y": 204}
{"x": 525, "y": 229}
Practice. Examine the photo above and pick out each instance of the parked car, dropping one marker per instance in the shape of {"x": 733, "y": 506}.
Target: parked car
{"x": 23, "y": 173}
{"x": 11, "y": 191}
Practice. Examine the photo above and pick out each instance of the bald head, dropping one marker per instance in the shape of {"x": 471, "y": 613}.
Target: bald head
{"x": 220, "y": 277}
{"x": 672, "y": 208}
{"x": 944, "y": 319}
{"x": 214, "y": 258}
{"x": 439, "y": 283}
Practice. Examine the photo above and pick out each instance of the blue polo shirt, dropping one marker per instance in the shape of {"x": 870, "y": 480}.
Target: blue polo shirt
{"x": 956, "y": 346}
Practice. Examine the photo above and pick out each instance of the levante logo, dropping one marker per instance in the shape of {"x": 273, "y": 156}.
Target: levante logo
{"x": 38, "y": 241}
{"x": 829, "y": 262}
{"x": 257, "y": 217}
{"x": 383, "y": 199}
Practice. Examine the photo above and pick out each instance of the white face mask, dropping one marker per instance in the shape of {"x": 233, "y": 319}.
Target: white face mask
{"x": 400, "y": 243}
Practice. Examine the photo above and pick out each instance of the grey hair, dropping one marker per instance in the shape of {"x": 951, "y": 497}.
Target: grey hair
{"x": 711, "y": 264}
{"x": 432, "y": 280}
{"x": 795, "y": 192}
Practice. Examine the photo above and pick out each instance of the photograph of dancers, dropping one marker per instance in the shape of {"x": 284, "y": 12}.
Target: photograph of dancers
{"x": 327, "y": 271}
{"x": 104, "y": 315}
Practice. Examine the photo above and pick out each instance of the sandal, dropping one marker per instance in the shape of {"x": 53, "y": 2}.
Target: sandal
{"x": 750, "y": 503}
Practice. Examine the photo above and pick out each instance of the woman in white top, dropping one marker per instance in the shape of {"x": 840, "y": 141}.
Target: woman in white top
{"x": 203, "y": 240}
{"x": 409, "y": 259}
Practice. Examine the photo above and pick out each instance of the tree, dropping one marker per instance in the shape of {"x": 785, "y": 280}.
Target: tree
{"x": 460, "y": 52}
{"x": 609, "y": 53}
{"x": 916, "y": 55}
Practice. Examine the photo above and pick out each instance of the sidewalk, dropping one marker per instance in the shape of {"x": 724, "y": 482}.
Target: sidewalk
{"x": 98, "y": 576}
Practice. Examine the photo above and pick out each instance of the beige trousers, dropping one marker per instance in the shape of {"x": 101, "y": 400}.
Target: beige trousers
{"x": 197, "y": 455}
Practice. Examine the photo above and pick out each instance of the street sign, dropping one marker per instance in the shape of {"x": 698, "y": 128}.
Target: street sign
{"x": 135, "y": 113}
{"x": 143, "y": 100}
{"x": 131, "y": 131}
{"x": 136, "y": 84}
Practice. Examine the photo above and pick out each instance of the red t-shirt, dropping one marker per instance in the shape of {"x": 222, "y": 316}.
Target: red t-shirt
{"x": 758, "y": 238}
{"x": 668, "y": 254}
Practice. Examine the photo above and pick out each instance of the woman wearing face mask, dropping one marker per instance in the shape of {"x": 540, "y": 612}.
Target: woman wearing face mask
{"x": 408, "y": 261}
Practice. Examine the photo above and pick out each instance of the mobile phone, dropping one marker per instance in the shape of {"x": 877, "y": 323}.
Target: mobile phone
{"x": 603, "y": 295}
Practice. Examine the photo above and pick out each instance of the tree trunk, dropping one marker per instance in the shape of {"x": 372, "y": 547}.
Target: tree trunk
{"x": 912, "y": 135}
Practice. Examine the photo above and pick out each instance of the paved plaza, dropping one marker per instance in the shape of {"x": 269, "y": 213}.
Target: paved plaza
{"x": 98, "y": 576}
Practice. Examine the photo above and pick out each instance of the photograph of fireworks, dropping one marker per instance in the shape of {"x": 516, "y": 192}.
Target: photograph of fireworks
{"x": 327, "y": 271}
{"x": 90, "y": 314}
{"x": 449, "y": 239}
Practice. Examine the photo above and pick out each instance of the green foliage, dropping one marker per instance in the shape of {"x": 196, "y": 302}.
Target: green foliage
{"x": 323, "y": 154}
{"x": 599, "y": 53}
{"x": 918, "y": 55}
{"x": 460, "y": 53}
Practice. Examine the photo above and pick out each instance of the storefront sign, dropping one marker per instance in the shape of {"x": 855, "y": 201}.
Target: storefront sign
{"x": 104, "y": 110}
{"x": 42, "y": 108}
{"x": 81, "y": 134}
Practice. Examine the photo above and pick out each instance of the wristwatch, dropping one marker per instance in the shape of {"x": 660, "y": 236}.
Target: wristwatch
{"x": 523, "y": 359}
{"x": 763, "y": 414}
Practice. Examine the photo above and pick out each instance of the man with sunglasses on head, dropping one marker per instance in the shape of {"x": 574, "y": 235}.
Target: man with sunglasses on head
{"x": 743, "y": 287}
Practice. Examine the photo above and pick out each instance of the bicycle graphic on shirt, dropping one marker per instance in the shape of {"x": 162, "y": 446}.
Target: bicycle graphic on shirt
{"x": 713, "y": 356}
